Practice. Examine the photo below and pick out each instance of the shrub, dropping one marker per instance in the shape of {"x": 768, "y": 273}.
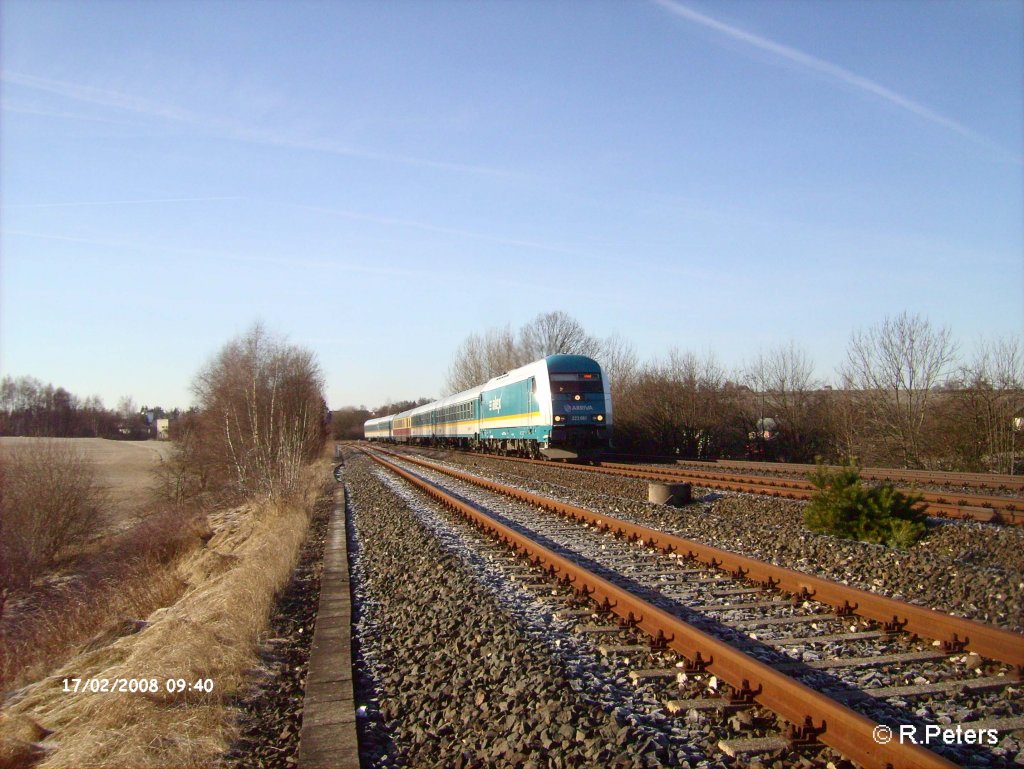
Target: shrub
{"x": 843, "y": 507}
{"x": 184, "y": 475}
{"x": 50, "y": 500}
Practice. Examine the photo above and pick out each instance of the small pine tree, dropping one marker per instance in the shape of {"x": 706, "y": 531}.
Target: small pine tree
{"x": 843, "y": 507}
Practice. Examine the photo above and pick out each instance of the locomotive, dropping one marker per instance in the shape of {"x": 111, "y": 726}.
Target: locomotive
{"x": 558, "y": 407}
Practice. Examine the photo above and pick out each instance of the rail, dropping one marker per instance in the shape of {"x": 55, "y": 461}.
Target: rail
{"x": 812, "y": 716}
{"x": 955, "y": 633}
{"x": 987, "y": 509}
{"x": 947, "y": 504}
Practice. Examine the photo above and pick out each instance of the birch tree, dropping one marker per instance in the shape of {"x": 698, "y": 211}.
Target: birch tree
{"x": 263, "y": 413}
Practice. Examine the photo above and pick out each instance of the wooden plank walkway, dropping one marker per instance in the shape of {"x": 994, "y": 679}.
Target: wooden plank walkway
{"x": 328, "y": 737}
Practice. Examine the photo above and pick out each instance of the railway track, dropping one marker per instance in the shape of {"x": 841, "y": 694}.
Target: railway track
{"x": 985, "y": 481}
{"x": 651, "y": 590}
{"x": 988, "y": 509}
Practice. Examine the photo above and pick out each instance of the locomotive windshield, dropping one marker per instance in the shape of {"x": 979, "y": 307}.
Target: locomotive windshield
{"x": 573, "y": 384}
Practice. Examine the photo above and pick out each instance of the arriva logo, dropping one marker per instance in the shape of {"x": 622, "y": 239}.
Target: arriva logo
{"x": 494, "y": 404}
{"x": 581, "y": 407}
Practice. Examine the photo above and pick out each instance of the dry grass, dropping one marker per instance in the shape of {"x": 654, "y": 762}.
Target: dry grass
{"x": 210, "y": 632}
{"x": 122, "y": 577}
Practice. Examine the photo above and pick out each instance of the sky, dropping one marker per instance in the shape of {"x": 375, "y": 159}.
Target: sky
{"x": 377, "y": 180}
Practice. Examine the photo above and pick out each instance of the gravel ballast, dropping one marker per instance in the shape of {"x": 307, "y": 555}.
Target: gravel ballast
{"x": 630, "y": 561}
{"x": 602, "y": 687}
{"x": 456, "y": 668}
{"x": 966, "y": 568}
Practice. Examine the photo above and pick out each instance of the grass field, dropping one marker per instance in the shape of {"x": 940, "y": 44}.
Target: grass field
{"x": 125, "y": 469}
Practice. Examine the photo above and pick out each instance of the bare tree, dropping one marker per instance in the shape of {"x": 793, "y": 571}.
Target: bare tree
{"x": 126, "y": 407}
{"x": 30, "y": 408}
{"x": 785, "y": 391}
{"x": 680, "y": 405}
{"x": 844, "y": 417}
{"x": 482, "y": 356}
{"x": 555, "y": 333}
{"x": 988, "y": 400}
{"x": 896, "y": 365}
{"x": 262, "y": 411}
{"x": 620, "y": 364}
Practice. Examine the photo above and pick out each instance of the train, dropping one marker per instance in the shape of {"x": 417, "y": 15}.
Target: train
{"x": 559, "y": 407}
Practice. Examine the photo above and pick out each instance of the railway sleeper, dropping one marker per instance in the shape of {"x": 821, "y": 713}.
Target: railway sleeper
{"x": 782, "y": 693}
{"x": 987, "y": 684}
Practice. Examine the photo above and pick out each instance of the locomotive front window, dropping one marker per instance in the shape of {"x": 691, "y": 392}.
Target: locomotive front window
{"x": 574, "y": 388}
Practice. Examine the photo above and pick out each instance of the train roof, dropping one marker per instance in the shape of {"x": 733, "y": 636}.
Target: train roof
{"x": 555, "y": 364}
{"x": 460, "y": 397}
{"x": 572, "y": 364}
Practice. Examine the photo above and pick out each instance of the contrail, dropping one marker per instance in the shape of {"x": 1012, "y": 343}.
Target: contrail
{"x": 223, "y": 127}
{"x": 101, "y": 96}
{"x": 76, "y": 203}
{"x": 8, "y": 107}
{"x": 325, "y": 264}
{"x": 833, "y": 71}
{"x": 389, "y": 221}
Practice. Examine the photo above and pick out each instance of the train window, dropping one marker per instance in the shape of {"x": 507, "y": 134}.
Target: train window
{"x": 572, "y": 388}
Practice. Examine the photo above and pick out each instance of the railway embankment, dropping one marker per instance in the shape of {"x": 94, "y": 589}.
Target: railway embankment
{"x": 162, "y": 690}
{"x": 270, "y": 705}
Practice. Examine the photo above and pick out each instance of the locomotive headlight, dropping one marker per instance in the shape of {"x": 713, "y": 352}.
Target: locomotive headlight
{"x": 559, "y": 419}
{"x": 599, "y": 417}
{"x": 577, "y": 397}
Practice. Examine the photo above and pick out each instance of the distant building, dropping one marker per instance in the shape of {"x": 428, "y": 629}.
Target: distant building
{"x": 160, "y": 429}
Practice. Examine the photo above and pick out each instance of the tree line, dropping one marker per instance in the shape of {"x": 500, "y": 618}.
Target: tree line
{"x": 28, "y": 407}
{"x": 903, "y": 397}
{"x": 259, "y": 417}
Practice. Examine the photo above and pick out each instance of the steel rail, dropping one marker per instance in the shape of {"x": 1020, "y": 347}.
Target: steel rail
{"x": 948, "y": 502}
{"x": 812, "y": 716}
{"x": 984, "y": 509}
{"x": 955, "y": 633}
{"x": 939, "y": 477}
{"x": 892, "y": 474}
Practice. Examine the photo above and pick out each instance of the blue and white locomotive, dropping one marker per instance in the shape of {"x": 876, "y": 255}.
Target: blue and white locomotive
{"x": 559, "y": 407}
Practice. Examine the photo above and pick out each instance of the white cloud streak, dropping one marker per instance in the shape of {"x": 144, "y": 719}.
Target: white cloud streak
{"x": 17, "y": 109}
{"x": 222, "y": 127}
{"x": 833, "y": 71}
{"x": 393, "y": 222}
{"x": 141, "y": 201}
{"x": 137, "y": 251}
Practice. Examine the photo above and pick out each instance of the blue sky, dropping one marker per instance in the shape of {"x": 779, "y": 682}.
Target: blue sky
{"x": 376, "y": 180}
